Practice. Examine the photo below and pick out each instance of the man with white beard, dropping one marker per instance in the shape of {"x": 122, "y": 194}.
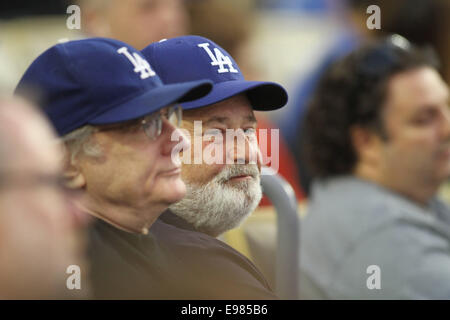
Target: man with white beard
{"x": 222, "y": 177}
{"x": 215, "y": 207}
{"x": 224, "y": 187}
{"x": 221, "y": 193}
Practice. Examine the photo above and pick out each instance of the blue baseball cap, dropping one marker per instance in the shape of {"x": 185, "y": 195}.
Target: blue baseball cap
{"x": 99, "y": 81}
{"x": 190, "y": 58}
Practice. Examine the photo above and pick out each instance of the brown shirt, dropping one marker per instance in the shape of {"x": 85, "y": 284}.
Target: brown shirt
{"x": 169, "y": 263}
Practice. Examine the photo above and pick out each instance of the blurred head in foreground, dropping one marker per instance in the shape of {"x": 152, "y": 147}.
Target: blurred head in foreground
{"x": 40, "y": 231}
{"x": 382, "y": 114}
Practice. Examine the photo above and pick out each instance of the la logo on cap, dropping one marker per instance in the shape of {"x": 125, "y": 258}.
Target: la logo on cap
{"x": 140, "y": 64}
{"x": 219, "y": 59}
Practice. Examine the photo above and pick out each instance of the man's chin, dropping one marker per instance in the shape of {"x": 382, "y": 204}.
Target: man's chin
{"x": 173, "y": 192}
{"x": 442, "y": 171}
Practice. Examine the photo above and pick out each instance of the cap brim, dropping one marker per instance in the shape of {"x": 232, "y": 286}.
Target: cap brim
{"x": 154, "y": 100}
{"x": 263, "y": 96}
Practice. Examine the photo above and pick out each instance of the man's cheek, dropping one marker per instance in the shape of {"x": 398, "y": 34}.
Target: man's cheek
{"x": 256, "y": 155}
{"x": 213, "y": 153}
{"x": 199, "y": 173}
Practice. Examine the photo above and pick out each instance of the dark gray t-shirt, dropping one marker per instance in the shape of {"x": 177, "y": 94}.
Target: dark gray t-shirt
{"x": 357, "y": 235}
{"x": 169, "y": 263}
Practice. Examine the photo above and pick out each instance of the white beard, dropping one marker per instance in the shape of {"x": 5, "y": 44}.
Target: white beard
{"x": 219, "y": 206}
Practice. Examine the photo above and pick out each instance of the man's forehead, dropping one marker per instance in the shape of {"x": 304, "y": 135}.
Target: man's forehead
{"x": 232, "y": 109}
{"x": 418, "y": 87}
{"x": 35, "y": 144}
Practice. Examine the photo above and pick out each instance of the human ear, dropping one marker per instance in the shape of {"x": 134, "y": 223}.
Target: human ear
{"x": 365, "y": 143}
{"x": 74, "y": 177}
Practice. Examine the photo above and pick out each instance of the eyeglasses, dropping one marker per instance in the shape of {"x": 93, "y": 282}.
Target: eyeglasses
{"x": 153, "y": 123}
{"x": 33, "y": 180}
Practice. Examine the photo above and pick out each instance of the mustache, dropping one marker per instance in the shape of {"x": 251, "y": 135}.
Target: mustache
{"x": 234, "y": 170}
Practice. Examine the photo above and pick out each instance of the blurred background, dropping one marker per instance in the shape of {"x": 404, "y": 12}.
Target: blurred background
{"x": 275, "y": 34}
{"x": 280, "y": 40}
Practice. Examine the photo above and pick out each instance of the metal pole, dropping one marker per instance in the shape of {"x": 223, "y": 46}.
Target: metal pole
{"x": 282, "y": 196}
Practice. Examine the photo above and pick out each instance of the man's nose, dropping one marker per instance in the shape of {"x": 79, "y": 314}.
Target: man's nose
{"x": 241, "y": 150}
{"x": 173, "y": 137}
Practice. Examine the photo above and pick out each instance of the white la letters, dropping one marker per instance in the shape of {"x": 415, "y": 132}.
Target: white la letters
{"x": 218, "y": 59}
{"x": 140, "y": 64}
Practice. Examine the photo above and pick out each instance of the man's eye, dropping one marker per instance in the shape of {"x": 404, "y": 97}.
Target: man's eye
{"x": 421, "y": 120}
{"x": 250, "y": 132}
{"x": 425, "y": 118}
{"x": 213, "y": 134}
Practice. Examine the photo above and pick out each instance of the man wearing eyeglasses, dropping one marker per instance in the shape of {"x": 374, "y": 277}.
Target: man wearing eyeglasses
{"x": 41, "y": 232}
{"x": 378, "y": 143}
{"x": 116, "y": 118}
{"x": 119, "y": 125}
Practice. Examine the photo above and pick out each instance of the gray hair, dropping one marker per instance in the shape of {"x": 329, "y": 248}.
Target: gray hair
{"x": 80, "y": 140}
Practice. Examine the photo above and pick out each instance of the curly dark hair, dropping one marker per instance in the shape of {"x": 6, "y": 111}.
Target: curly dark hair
{"x": 352, "y": 92}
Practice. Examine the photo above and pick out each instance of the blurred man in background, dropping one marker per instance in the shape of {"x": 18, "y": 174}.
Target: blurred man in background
{"x": 424, "y": 22}
{"x": 40, "y": 231}
{"x": 136, "y": 22}
{"x": 378, "y": 142}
